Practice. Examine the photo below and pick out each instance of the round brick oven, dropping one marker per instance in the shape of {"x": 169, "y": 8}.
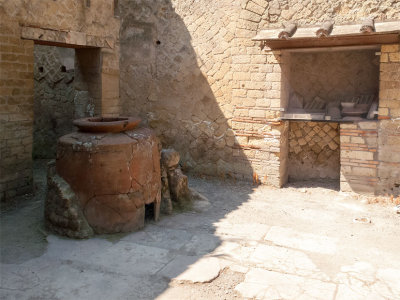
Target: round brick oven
{"x": 114, "y": 172}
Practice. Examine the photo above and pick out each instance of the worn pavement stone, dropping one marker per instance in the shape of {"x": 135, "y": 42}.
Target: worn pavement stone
{"x": 263, "y": 284}
{"x": 286, "y": 260}
{"x": 192, "y": 269}
{"x": 301, "y": 240}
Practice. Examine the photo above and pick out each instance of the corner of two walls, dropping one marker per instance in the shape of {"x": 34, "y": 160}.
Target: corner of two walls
{"x": 177, "y": 70}
{"x": 95, "y": 25}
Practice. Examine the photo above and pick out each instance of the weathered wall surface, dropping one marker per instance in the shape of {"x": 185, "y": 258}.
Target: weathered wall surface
{"x": 389, "y": 126}
{"x": 176, "y": 74}
{"x": 359, "y": 157}
{"x": 191, "y": 71}
{"x": 334, "y": 76}
{"x": 16, "y": 111}
{"x": 56, "y": 103}
{"x": 370, "y": 152}
{"x": 47, "y": 20}
{"x": 317, "y": 11}
{"x": 314, "y": 151}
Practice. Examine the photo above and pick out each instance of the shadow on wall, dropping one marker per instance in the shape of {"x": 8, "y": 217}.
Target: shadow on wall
{"x": 162, "y": 82}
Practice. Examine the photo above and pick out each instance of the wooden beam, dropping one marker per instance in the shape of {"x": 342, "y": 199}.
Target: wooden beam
{"x": 338, "y": 30}
{"x": 341, "y": 35}
{"x": 334, "y": 49}
{"x": 333, "y": 41}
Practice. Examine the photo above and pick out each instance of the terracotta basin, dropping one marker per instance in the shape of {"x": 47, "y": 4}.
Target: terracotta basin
{"x": 104, "y": 124}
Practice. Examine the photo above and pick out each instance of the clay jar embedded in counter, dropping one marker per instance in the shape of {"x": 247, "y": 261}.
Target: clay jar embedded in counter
{"x": 114, "y": 175}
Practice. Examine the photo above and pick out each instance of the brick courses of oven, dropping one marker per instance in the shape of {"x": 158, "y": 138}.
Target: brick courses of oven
{"x": 190, "y": 70}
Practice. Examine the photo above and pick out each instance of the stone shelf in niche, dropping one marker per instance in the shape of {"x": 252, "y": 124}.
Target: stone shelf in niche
{"x": 328, "y": 121}
{"x": 322, "y": 121}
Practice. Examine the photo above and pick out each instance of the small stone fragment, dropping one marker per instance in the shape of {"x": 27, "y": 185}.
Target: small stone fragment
{"x": 61, "y": 198}
{"x": 178, "y": 184}
{"x": 363, "y": 220}
{"x": 166, "y": 203}
{"x": 170, "y": 158}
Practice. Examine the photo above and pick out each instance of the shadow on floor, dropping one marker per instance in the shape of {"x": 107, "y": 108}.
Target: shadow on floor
{"x": 330, "y": 184}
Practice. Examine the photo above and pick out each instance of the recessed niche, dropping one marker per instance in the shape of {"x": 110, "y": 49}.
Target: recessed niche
{"x": 331, "y": 85}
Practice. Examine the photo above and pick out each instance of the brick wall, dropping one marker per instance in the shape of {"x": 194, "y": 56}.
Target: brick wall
{"x": 191, "y": 71}
{"x": 389, "y": 125}
{"x": 256, "y": 99}
{"x": 335, "y": 76}
{"x": 16, "y": 111}
{"x": 314, "y": 150}
{"x": 57, "y": 102}
{"x": 358, "y": 157}
{"x": 80, "y": 25}
{"x": 370, "y": 151}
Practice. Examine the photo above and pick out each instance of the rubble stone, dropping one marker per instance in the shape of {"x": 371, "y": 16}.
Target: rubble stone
{"x": 166, "y": 203}
{"x": 178, "y": 184}
{"x": 170, "y": 158}
{"x": 63, "y": 212}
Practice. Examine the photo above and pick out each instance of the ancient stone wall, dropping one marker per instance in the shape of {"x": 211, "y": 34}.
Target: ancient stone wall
{"x": 370, "y": 152}
{"x": 188, "y": 68}
{"x": 191, "y": 71}
{"x": 56, "y": 103}
{"x": 389, "y": 125}
{"x": 16, "y": 111}
{"x": 70, "y": 23}
{"x": 176, "y": 75}
{"x": 336, "y": 76}
{"x": 359, "y": 157}
{"x": 314, "y": 151}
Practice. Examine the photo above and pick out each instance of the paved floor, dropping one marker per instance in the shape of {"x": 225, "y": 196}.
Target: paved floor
{"x": 245, "y": 243}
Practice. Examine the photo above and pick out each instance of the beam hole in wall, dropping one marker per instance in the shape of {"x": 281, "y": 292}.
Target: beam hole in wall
{"x": 116, "y": 8}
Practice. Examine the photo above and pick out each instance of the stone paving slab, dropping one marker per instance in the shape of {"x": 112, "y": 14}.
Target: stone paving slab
{"x": 363, "y": 281}
{"x": 264, "y": 284}
{"x": 251, "y": 243}
{"x": 192, "y": 269}
{"x": 71, "y": 281}
{"x": 250, "y": 231}
{"x": 286, "y": 260}
{"x": 201, "y": 244}
{"x": 155, "y": 236}
{"x": 289, "y": 237}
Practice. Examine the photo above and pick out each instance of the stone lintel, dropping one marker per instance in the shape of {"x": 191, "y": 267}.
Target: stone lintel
{"x": 72, "y": 39}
